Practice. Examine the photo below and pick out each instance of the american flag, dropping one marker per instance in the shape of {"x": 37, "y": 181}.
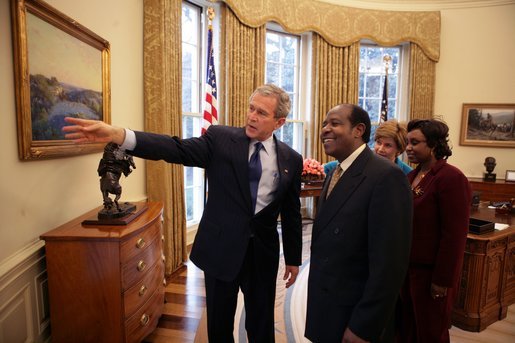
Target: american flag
{"x": 210, "y": 104}
{"x": 384, "y": 102}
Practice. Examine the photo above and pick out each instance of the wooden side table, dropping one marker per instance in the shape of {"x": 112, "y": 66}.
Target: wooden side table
{"x": 106, "y": 283}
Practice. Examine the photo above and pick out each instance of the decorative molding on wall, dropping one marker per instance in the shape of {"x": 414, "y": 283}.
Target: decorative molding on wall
{"x": 24, "y": 312}
{"x": 419, "y": 5}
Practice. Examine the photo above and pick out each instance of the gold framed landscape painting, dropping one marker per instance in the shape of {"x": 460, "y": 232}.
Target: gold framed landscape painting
{"x": 61, "y": 69}
{"x": 488, "y": 125}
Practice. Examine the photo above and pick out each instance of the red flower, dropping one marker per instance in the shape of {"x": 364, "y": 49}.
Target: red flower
{"x": 312, "y": 169}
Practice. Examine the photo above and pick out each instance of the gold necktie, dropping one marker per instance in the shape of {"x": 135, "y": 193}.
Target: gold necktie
{"x": 334, "y": 179}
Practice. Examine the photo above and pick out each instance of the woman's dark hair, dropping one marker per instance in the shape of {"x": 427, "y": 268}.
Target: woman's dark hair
{"x": 436, "y": 133}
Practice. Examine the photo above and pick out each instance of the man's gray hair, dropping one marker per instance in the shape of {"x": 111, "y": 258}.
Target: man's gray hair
{"x": 283, "y": 99}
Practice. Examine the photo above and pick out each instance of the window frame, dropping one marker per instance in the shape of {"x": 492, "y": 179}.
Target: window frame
{"x": 301, "y": 91}
{"x": 197, "y": 172}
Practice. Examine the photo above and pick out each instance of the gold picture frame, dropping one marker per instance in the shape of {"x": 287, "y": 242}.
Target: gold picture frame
{"x": 61, "y": 68}
{"x": 488, "y": 125}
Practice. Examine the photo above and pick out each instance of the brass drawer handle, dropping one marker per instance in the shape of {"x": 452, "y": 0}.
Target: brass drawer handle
{"x": 142, "y": 290}
{"x": 164, "y": 282}
{"x": 140, "y": 243}
{"x": 145, "y": 318}
{"x": 141, "y": 266}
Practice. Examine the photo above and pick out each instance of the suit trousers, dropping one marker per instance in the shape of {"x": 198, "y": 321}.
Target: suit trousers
{"x": 259, "y": 298}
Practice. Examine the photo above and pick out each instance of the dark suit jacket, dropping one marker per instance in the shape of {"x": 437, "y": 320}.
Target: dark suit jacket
{"x": 359, "y": 251}
{"x": 228, "y": 220}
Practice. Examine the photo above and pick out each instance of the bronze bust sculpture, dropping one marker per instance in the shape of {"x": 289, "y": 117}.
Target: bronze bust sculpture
{"x": 490, "y": 166}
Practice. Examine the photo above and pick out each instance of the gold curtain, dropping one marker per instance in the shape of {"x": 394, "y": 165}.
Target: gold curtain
{"x": 336, "y": 75}
{"x": 421, "y": 84}
{"x": 162, "y": 101}
{"x": 242, "y": 65}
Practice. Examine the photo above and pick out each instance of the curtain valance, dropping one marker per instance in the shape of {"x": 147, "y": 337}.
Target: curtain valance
{"x": 341, "y": 25}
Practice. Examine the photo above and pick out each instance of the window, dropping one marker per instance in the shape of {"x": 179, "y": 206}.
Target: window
{"x": 282, "y": 69}
{"x": 191, "y": 105}
{"x": 371, "y": 82}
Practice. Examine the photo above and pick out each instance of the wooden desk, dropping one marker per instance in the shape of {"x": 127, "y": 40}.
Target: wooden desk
{"x": 499, "y": 190}
{"x": 487, "y": 285}
{"x": 312, "y": 191}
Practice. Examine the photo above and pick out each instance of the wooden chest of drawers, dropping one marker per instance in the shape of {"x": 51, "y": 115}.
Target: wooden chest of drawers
{"x": 106, "y": 283}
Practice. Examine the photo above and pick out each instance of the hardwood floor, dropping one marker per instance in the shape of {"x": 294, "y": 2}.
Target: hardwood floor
{"x": 185, "y": 303}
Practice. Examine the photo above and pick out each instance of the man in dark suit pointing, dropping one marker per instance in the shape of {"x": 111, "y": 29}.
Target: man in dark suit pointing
{"x": 361, "y": 237}
{"x": 253, "y": 177}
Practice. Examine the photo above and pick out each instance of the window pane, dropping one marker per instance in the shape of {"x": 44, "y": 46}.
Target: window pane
{"x": 394, "y": 63}
{"x": 372, "y": 135}
{"x": 373, "y": 106}
{"x": 371, "y": 79}
{"x": 188, "y": 194}
{"x": 392, "y": 104}
{"x": 373, "y": 86}
{"x": 289, "y": 50}
{"x": 362, "y": 60}
{"x": 282, "y": 56}
{"x": 375, "y": 61}
{"x": 272, "y": 73}
{"x": 288, "y": 78}
{"x": 361, "y": 86}
{"x": 392, "y": 86}
{"x": 294, "y": 112}
{"x": 273, "y": 50}
{"x": 191, "y": 106}
{"x": 291, "y": 133}
{"x": 190, "y": 24}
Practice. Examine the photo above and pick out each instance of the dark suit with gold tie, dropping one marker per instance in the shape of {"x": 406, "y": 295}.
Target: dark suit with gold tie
{"x": 359, "y": 252}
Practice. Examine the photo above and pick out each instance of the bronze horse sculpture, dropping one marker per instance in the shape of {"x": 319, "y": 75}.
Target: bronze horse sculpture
{"x": 114, "y": 162}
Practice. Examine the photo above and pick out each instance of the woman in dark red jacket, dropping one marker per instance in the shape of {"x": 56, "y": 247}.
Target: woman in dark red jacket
{"x": 441, "y": 200}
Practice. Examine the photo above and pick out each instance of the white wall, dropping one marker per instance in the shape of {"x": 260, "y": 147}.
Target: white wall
{"x": 37, "y": 196}
{"x": 477, "y": 65}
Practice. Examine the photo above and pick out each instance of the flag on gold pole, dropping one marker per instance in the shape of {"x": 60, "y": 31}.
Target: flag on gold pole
{"x": 210, "y": 103}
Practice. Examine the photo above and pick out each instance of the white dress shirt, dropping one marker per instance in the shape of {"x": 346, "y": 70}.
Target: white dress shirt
{"x": 345, "y": 164}
{"x": 270, "y": 173}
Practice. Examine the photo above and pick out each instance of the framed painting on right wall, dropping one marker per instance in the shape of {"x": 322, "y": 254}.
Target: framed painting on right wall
{"x": 488, "y": 125}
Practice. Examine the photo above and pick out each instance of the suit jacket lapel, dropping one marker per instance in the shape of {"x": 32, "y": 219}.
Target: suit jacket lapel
{"x": 283, "y": 158}
{"x": 341, "y": 193}
{"x": 283, "y": 162}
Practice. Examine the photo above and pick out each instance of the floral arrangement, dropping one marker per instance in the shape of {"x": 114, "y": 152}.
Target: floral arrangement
{"x": 312, "y": 170}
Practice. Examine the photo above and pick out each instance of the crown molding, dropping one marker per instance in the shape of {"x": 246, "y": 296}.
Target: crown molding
{"x": 419, "y": 5}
